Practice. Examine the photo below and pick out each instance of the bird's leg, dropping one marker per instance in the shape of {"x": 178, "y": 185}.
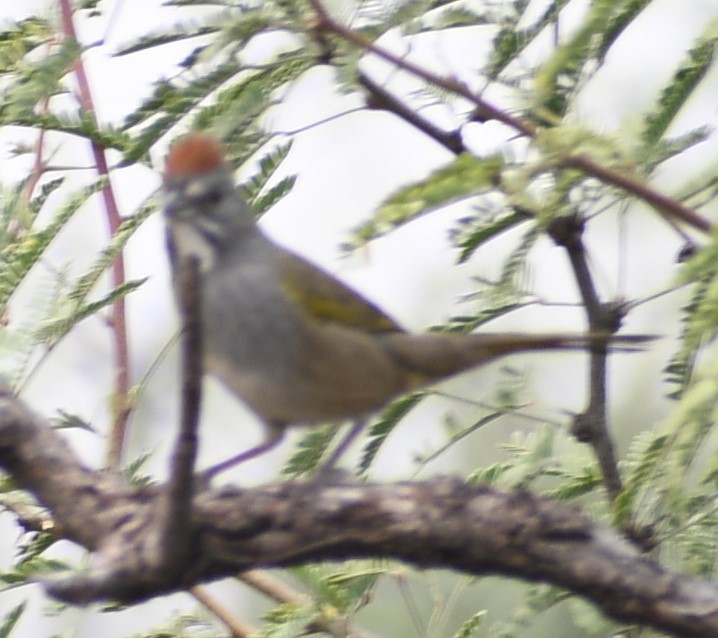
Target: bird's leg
{"x": 273, "y": 437}
{"x": 328, "y": 466}
{"x": 274, "y": 433}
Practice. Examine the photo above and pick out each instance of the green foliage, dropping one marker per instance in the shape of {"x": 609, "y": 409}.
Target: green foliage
{"x": 67, "y": 421}
{"x": 477, "y": 230}
{"x": 51, "y": 331}
{"x": 168, "y": 36}
{"x": 274, "y": 194}
{"x": 384, "y": 425}
{"x": 698, "y": 319}
{"x": 472, "y": 625}
{"x": 33, "y": 546}
{"x": 338, "y": 593}
{"x": 309, "y": 452}
{"x": 669, "y": 486}
{"x": 587, "y": 618}
{"x": 422, "y": 15}
{"x": 622, "y": 16}
{"x": 456, "y": 437}
{"x": 22, "y": 251}
{"x": 559, "y": 76}
{"x": 10, "y": 620}
{"x": 666, "y": 148}
{"x": 134, "y": 471}
{"x": 679, "y": 369}
{"x": 287, "y": 621}
{"x": 333, "y": 596}
{"x": 682, "y": 86}
{"x": 496, "y": 305}
{"x": 215, "y": 90}
{"x": 467, "y": 176}
{"x": 17, "y": 41}
{"x": 236, "y": 115}
{"x": 514, "y": 268}
{"x": 35, "y": 82}
{"x": 168, "y": 104}
{"x": 74, "y": 306}
{"x": 261, "y": 196}
{"x": 643, "y": 467}
{"x": 511, "y": 41}
{"x": 30, "y": 570}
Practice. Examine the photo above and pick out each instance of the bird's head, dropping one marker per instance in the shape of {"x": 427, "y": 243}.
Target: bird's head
{"x": 204, "y": 210}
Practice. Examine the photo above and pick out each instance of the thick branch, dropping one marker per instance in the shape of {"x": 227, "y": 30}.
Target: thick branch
{"x": 441, "y": 523}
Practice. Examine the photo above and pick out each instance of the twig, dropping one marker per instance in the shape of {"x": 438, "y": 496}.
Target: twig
{"x": 484, "y": 110}
{"x": 272, "y": 588}
{"x": 383, "y": 99}
{"x": 40, "y": 163}
{"x": 591, "y": 425}
{"x": 30, "y": 517}
{"x": 180, "y": 486}
{"x": 662, "y": 203}
{"x": 237, "y": 627}
{"x": 121, "y": 400}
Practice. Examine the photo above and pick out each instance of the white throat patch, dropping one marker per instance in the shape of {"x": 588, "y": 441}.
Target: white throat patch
{"x": 188, "y": 242}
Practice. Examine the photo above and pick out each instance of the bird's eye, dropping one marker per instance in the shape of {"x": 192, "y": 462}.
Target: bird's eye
{"x": 212, "y": 197}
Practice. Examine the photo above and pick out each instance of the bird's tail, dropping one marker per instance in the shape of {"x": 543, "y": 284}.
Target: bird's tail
{"x": 436, "y": 356}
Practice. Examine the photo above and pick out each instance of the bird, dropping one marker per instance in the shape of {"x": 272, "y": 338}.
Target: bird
{"x": 291, "y": 341}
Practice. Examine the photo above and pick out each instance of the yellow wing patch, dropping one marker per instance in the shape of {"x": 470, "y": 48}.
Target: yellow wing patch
{"x": 325, "y": 298}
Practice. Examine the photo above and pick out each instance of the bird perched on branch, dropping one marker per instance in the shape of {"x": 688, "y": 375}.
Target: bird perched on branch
{"x": 296, "y": 345}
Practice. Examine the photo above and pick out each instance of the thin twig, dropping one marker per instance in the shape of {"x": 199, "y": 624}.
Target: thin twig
{"x": 30, "y": 517}
{"x": 121, "y": 402}
{"x": 272, "y": 588}
{"x": 659, "y": 201}
{"x": 383, "y": 99}
{"x": 40, "y": 162}
{"x": 237, "y": 627}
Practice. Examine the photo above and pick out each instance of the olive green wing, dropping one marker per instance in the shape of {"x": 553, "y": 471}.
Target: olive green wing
{"x": 328, "y": 299}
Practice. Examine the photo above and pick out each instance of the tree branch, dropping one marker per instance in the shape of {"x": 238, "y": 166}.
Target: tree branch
{"x": 178, "y": 501}
{"x": 440, "y": 523}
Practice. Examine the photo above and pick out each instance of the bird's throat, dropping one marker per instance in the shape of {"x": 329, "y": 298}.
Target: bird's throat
{"x": 188, "y": 242}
